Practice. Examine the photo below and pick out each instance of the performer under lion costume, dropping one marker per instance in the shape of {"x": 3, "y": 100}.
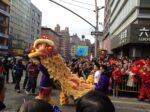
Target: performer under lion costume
{"x": 71, "y": 85}
{"x": 142, "y": 68}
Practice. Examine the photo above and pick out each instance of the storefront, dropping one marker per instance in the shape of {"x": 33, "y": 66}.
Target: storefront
{"x": 133, "y": 41}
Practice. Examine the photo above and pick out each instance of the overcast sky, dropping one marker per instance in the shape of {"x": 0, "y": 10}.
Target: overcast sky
{"x": 53, "y": 14}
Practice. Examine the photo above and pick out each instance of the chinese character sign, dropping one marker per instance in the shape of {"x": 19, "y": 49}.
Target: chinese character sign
{"x": 144, "y": 34}
{"x": 144, "y": 31}
{"x": 123, "y": 36}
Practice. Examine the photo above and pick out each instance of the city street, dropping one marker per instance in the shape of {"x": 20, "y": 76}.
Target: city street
{"x": 122, "y": 104}
{"x": 108, "y": 40}
{"x": 105, "y": 42}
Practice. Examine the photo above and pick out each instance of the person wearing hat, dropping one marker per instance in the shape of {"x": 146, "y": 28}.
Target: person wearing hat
{"x": 46, "y": 86}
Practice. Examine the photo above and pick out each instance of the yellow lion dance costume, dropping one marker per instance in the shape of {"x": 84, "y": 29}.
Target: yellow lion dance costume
{"x": 71, "y": 85}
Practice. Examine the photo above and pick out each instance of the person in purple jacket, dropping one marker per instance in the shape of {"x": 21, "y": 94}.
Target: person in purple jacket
{"x": 46, "y": 86}
{"x": 103, "y": 82}
{"x": 45, "y": 80}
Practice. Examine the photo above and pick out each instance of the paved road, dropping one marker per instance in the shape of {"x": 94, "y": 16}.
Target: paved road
{"x": 122, "y": 104}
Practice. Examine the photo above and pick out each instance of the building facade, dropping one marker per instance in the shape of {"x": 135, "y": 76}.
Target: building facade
{"x": 74, "y": 42}
{"x": 19, "y": 26}
{"x": 4, "y": 26}
{"x": 130, "y": 28}
{"x": 105, "y": 40}
{"x": 52, "y": 35}
{"x": 35, "y": 22}
{"x": 63, "y": 41}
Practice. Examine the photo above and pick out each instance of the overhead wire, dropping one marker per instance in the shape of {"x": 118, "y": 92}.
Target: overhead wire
{"x": 76, "y": 5}
{"x": 82, "y": 2}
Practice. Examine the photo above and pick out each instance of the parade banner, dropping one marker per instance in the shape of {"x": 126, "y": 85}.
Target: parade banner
{"x": 82, "y": 51}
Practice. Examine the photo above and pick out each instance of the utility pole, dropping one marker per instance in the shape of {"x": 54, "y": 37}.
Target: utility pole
{"x": 96, "y": 28}
{"x": 96, "y": 33}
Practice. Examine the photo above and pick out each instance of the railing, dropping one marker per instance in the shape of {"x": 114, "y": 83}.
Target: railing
{"x": 123, "y": 87}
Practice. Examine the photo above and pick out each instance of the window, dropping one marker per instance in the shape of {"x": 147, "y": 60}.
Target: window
{"x": 33, "y": 12}
{"x": 2, "y": 19}
{"x": 38, "y": 32}
{"x": 32, "y": 37}
{"x": 2, "y": 30}
{"x": 39, "y": 16}
{"x": 2, "y": 6}
{"x": 11, "y": 29}
{"x": 33, "y": 21}
{"x": 38, "y": 24}
{"x": 32, "y": 29}
{"x": 144, "y": 2}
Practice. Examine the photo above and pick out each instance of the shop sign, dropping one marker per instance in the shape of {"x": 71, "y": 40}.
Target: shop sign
{"x": 123, "y": 36}
{"x": 121, "y": 39}
{"x": 134, "y": 33}
{"x": 144, "y": 34}
{"x": 140, "y": 33}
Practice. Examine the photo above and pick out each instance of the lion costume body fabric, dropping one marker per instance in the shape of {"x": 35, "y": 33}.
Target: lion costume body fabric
{"x": 71, "y": 85}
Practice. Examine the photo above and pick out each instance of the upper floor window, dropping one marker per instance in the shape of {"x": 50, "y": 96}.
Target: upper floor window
{"x": 3, "y": 6}
{"x": 38, "y": 24}
{"x": 39, "y": 16}
{"x": 38, "y": 32}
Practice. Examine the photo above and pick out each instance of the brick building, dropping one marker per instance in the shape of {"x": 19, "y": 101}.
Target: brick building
{"x": 106, "y": 35}
{"x": 52, "y": 35}
{"x": 63, "y": 41}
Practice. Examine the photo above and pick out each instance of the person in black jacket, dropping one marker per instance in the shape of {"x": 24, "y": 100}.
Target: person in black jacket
{"x": 26, "y": 79}
{"x": 19, "y": 67}
{"x": 6, "y": 67}
{"x": 2, "y": 93}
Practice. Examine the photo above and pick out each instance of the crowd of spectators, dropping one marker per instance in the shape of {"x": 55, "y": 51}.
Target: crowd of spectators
{"x": 104, "y": 70}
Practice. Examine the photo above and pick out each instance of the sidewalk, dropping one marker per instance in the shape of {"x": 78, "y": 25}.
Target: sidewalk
{"x": 124, "y": 104}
